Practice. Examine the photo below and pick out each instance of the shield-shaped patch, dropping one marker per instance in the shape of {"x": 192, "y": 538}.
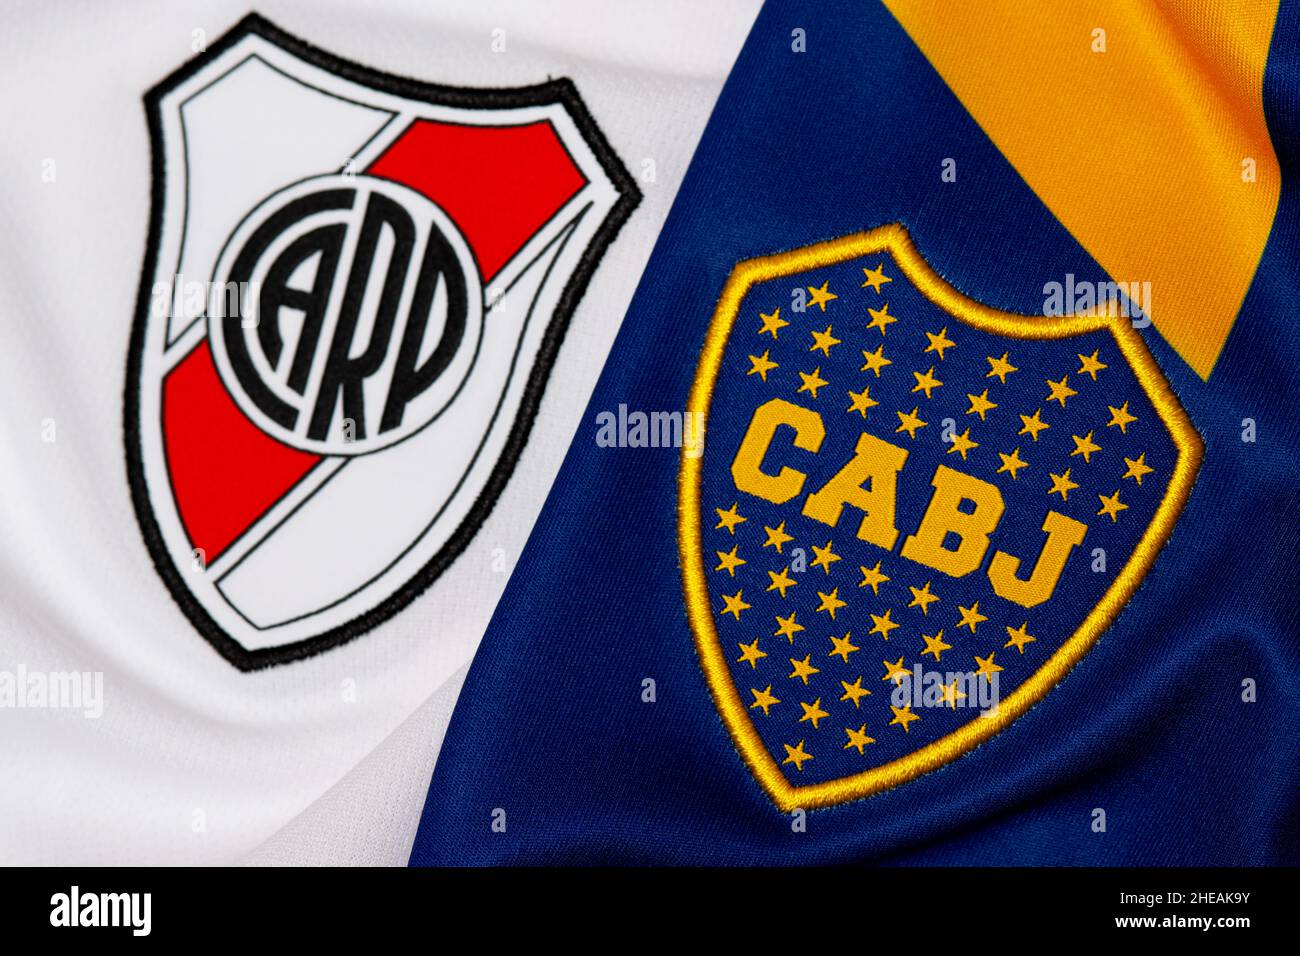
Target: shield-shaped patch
{"x": 354, "y": 291}
{"x": 910, "y": 514}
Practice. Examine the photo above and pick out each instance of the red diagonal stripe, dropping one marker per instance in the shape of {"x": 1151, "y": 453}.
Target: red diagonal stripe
{"x": 499, "y": 183}
{"x": 225, "y": 471}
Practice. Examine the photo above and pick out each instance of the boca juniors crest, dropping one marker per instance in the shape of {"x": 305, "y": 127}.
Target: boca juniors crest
{"x": 354, "y": 291}
{"x": 911, "y": 514}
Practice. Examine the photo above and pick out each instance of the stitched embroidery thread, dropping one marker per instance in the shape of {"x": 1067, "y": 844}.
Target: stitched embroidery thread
{"x": 913, "y": 514}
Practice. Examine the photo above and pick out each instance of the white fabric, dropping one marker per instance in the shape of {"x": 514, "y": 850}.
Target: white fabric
{"x": 191, "y": 760}
{"x": 369, "y": 818}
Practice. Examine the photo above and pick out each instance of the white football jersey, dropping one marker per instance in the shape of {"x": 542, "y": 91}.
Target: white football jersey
{"x": 248, "y": 554}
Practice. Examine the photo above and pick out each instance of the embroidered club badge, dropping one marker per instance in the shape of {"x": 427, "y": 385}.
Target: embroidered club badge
{"x": 354, "y": 290}
{"x": 911, "y": 514}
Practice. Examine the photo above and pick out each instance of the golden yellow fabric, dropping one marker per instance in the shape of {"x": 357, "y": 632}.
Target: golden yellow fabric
{"x": 1138, "y": 150}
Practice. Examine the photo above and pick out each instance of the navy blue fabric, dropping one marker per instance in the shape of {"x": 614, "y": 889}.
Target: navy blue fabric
{"x": 1150, "y": 727}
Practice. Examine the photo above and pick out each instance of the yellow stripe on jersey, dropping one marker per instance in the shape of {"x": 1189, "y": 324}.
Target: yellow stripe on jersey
{"x": 1147, "y": 141}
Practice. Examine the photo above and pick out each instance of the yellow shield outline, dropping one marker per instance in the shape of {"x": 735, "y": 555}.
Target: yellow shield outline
{"x": 895, "y": 240}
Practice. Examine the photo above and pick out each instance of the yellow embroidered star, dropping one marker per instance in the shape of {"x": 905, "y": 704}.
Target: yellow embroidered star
{"x": 926, "y": 382}
{"x": 1112, "y": 506}
{"x": 1033, "y": 424}
{"x": 903, "y": 715}
{"x": 986, "y": 667}
{"x": 787, "y": 627}
{"x": 1060, "y": 390}
{"x": 760, "y": 365}
{"x": 812, "y": 382}
{"x": 895, "y": 671}
{"x": 750, "y": 654}
{"x": 1120, "y": 418}
{"x": 734, "y": 604}
{"x": 922, "y": 598}
{"x": 858, "y": 739}
{"x": 772, "y": 323}
{"x": 796, "y": 755}
{"x": 940, "y": 342}
{"x": 728, "y": 561}
{"x": 876, "y": 277}
{"x": 935, "y": 645}
{"x": 854, "y": 692}
{"x": 843, "y": 646}
{"x": 880, "y": 318}
{"x": 821, "y": 296}
{"x": 764, "y": 698}
{"x": 1012, "y": 463}
{"x": 831, "y": 603}
{"x": 861, "y": 401}
{"x": 874, "y": 361}
{"x": 776, "y": 537}
{"x": 1137, "y": 467}
{"x": 1000, "y": 368}
{"x": 949, "y": 694}
{"x": 823, "y": 342}
{"x": 803, "y": 669}
{"x": 1084, "y": 446}
{"x": 825, "y": 557}
{"x": 970, "y": 616}
{"x": 1091, "y": 364}
{"x": 872, "y": 577}
{"x": 1018, "y": 637}
{"x": 812, "y": 712}
{"x": 980, "y": 404}
{"x": 909, "y": 422}
{"x": 781, "y": 581}
{"x": 962, "y": 443}
{"x": 728, "y": 518}
{"x": 883, "y": 624}
{"x": 1062, "y": 485}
